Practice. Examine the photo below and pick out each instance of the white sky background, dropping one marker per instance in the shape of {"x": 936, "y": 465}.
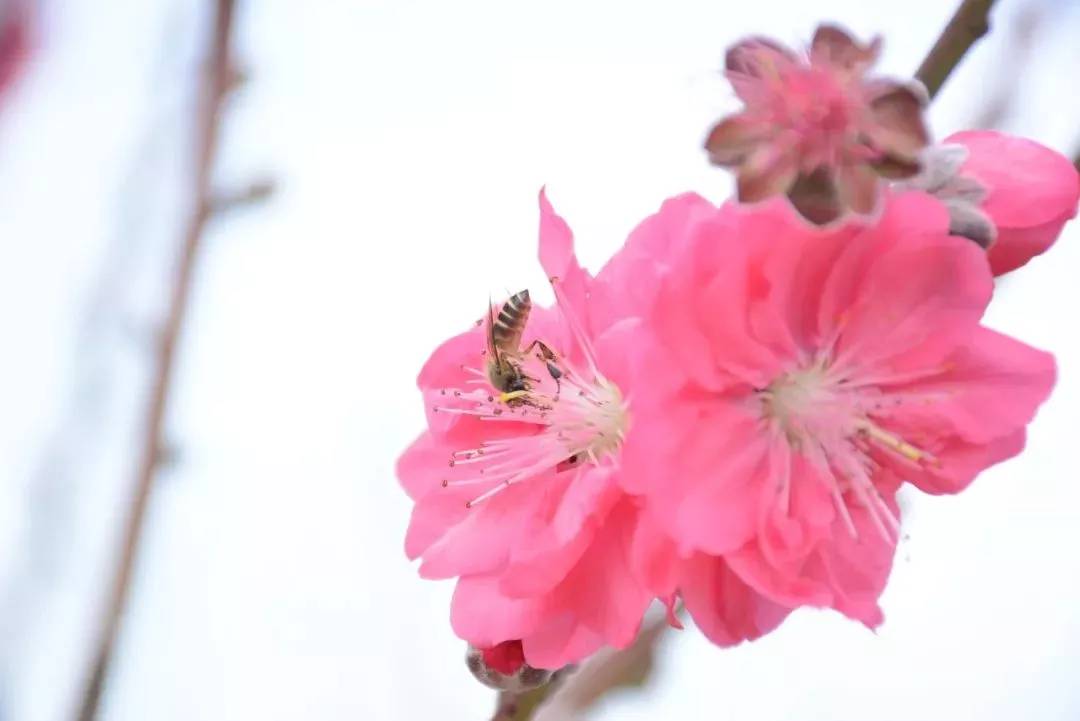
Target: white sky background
{"x": 409, "y": 139}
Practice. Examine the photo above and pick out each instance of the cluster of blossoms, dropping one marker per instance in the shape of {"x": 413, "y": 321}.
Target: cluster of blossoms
{"x": 722, "y": 416}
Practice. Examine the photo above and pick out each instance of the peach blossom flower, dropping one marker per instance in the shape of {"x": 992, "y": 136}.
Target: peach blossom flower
{"x": 1011, "y": 195}
{"x": 804, "y": 375}
{"x": 816, "y": 128}
{"x": 519, "y": 497}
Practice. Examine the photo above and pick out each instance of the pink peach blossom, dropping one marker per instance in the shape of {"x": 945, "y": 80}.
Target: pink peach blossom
{"x": 816, "y": 128}
{"x": 17, "y": 19}
{"x": 520, "y": 498}
{"x": 1026, "y": 190}
{"x": 804, "y": 375}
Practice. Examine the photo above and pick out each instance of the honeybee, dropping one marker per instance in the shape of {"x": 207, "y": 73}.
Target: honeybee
{"x": 504, "y": 352}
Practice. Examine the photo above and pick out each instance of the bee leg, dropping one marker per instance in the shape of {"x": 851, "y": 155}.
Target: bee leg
{"x": 545, "y": 353}
{"x": 556, "y": 374}
{"x": 549, "y": 357}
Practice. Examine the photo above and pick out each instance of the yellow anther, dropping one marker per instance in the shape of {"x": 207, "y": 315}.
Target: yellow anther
{"x": 512, "y": 395}
{"x": 900, "y": 446}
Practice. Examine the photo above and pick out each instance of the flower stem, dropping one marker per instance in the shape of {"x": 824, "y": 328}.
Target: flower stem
{"x": 213, "y": 89}
{"x": 970, "y": 22}
{"x": 511, "y": 706}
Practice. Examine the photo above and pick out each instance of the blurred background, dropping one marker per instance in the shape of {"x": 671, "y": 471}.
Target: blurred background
{"x": 374, "y": 179}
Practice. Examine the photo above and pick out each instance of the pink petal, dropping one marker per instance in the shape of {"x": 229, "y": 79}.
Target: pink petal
{"x": 602, "y": 589}
{"x": 484, "y": 617}
{"x": 752, "y": 59}
{"x": 910, "y": 302}
{"x": 559, "y": 261}
{"x": 727, "y": 463}
{"x": 732, "y": 298}
{"x": 841, "y": 571}
{"x": 1033, "y": 192}
{"x": 785, "y": 589}
{"x": 431, "y": 519}
{"x": 723, "y": 607}
{"x": 1014, "y": 247}
{"x": 676, "y": 314}
{"x": 790, "y": 530}
{"x": 481, "y": 542}
{"x": 991, "y": 388}
{"x": 957, "y": 462}
{"x": 768, "y": 171}
{"x": 857, "y": 567}
{"x": 443, "y": 367}
{"x": 796, "y": 271}
{"x": 834, "y": 46}
{"x": 702, "y": 481}
{"x": 898, "y": 127}
{"x": 914, "y": 215}
{"x": 419, "y": 468}
{"x": 543, "y": 558}
{"x": 1029, "y": 184}
{"x": 732, "y": 139}
{"x": 628, "y": 354}
{"x": 628, "y": 282}
{"x": 561, "y": 641}
{"x": 654, "y": 557}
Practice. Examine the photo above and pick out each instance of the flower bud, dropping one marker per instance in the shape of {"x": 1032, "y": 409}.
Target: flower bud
{"x": 502, "y": 667}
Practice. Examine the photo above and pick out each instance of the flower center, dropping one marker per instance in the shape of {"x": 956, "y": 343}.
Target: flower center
{"x": 835, "y": 422}
{"x": 792, "y": 398}
{"x": 566, "y": 416}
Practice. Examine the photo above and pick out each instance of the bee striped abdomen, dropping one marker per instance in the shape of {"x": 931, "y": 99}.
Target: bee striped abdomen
{"x": 510, "y": 323}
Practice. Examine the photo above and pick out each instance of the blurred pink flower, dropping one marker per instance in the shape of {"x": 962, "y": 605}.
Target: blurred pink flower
{"x": 520, "y": 499}
{"x": 815, "y": 127}
{"x": 802, "y": 375}
{"x": 1009, "y": 194}
{"x": 15, "y": 32}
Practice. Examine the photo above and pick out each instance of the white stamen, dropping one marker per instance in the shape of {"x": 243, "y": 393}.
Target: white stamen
{"x": 834, "y": 417}
{"x": 563, "y": 421}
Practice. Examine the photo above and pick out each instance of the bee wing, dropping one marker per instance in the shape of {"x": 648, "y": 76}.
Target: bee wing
{"x": 516, "y": 311}
{"x": 489, "y": 338}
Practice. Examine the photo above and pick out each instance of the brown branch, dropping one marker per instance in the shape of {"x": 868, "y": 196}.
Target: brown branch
{"x": 575, "y": 689}
{"x": 970, "y": 22}
{"x": 213, "y": 88}
{"x": 522, "y": 705}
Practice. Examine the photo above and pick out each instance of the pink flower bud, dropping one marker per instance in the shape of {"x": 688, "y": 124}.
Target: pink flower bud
{"x": 815, "y": 128}
{"x": 503, "y": 667}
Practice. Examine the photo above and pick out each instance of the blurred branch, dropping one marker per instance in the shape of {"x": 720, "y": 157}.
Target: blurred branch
{"x": 630, "y": 669}
{"x": 569, "y": 694}
{"x": 511, "y": 706}
{"x": 608, "y": 671}
{"x": 523, "y": 705}
{"x": 1002, "y": 97}
{"x": 213, "y": 89}
{"x": 970, "y": 22}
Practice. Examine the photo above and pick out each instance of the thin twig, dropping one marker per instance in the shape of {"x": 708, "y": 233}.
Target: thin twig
{"x": 212, "y": 91}
{"x": 970, "y": 22}
{"x": 520, "y": 706}
{"x": 607, "y": 671}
